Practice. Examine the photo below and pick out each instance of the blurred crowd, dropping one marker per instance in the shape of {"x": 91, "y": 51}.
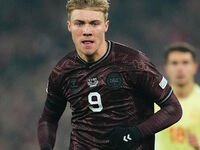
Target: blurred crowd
{"x": 33, "y": 37}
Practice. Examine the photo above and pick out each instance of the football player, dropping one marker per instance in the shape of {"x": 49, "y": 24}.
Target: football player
{"x": 111, "y": 89}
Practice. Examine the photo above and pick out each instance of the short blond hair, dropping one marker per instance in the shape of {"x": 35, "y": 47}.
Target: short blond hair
{"x": 99, "y": 5}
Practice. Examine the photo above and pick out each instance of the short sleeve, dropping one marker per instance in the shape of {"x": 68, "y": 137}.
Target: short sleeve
{"x": 149, "y": 81}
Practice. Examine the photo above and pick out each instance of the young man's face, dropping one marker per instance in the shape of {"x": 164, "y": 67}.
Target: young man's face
{"x": 88, "y": 29}
{"x": 180, "y": 68}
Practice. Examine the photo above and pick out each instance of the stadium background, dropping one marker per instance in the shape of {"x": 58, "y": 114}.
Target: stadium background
{"x": 33, "y": 37}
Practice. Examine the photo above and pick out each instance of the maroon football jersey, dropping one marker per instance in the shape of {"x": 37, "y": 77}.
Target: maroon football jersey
{"x": 118, "y": 90}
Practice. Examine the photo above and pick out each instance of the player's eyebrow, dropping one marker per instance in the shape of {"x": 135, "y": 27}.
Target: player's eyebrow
{"x": 79, "y": 21}
{"x": 95, "y": 21}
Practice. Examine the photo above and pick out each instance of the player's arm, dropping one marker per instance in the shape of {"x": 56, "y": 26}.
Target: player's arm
{"x": 169, "y": 114}
{"x": 48, "y": 122}
{"x": 154, "y": 87}
{"x": 54, "y": 107}
{"x": 157, "y": 89}
{"x": 126, "y": 137}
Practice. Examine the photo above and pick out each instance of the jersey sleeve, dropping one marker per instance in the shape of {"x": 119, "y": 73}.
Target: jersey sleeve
{"x": 54, "y": 107}
{"x": 55, "y": 100}
{"x": 151, "y": 84}
{"x": 149, "y": 81}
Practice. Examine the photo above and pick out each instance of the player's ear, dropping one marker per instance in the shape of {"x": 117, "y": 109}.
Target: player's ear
{"x": 107, "y": 25}
{"x": 69, "y": 26}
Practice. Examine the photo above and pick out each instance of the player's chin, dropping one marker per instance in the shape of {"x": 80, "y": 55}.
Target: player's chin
{"x": 181, "y": 83}
{"x": 88, "y": 51}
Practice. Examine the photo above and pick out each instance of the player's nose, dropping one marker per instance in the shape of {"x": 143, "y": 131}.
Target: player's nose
{"x": 87, "y": 31}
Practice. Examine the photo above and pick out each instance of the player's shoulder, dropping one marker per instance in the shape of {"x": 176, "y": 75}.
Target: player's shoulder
{"x": 195, "y": 97}
{"x": 122, "y": 50}
{"x": 66, "y": 62}
{"x": 130, "y": 56}
{"x": 197, "y": 90}
{"x": 63, "y": 65}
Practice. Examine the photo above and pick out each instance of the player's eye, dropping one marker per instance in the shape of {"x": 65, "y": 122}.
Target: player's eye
{"x": 79, "y": 23}
{"x": 94, "y": 23}
{"x": 174, "y": 63}
{"x": 185, "y": 62}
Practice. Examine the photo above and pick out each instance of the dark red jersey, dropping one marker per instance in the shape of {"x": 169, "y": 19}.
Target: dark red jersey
{"x": 118, "y": 90}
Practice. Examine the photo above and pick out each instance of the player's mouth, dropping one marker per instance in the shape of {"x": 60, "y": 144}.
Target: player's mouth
{"x": 180, "y": 77}
{"x": 87, "y": 42}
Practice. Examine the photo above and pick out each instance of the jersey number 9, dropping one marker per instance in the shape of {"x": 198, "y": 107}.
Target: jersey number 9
{"x": 94, "y": 99}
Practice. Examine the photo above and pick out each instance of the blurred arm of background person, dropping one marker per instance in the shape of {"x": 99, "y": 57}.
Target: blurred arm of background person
{"x": 181, "y": 67}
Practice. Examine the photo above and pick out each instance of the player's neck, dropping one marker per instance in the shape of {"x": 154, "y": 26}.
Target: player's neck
{"x": 97, "y": 55}
{"x": 184, "y": 90}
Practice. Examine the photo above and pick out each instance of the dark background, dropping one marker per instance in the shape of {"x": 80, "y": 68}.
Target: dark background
{"x": 34, "y": 36}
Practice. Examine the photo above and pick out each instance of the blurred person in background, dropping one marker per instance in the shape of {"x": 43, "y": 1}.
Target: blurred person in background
{"x": 181, "y": 67}
{"x": 111, "y": 89}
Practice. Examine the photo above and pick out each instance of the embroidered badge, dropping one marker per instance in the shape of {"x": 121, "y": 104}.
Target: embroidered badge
{"x": 163, "y": 83}
{"x": 73, "y": 85}
{"x": 92, "y": 82}
{"x": 114, "y": 80}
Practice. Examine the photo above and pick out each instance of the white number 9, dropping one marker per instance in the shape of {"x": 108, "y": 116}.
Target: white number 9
{"x": 95, "y": 102}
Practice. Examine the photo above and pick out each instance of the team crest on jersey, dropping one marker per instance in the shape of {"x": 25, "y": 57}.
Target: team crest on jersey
{"x": 114, "y": 80}
{"x": 92, "y": 82}
{"x": 73, "y": 85}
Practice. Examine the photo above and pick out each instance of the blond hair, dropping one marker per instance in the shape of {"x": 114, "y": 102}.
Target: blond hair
{"x": 98, "y": 5}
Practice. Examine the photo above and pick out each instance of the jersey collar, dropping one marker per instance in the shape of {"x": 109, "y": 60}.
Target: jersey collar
{"x": 91, "y": 65}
